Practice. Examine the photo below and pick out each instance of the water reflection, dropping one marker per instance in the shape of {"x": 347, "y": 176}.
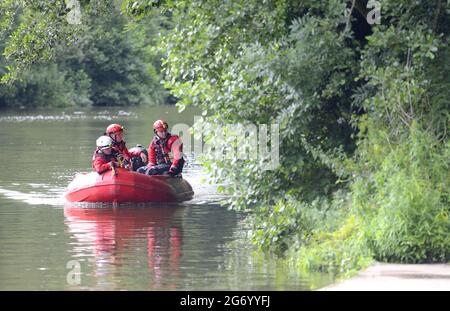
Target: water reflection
{"x": 118, "y": 241}
{"x": 124, "y": 248}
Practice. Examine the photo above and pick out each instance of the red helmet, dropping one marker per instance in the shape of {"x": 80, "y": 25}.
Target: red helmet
{"x": 160, "y": 125}
{"x": 114, "y": 128}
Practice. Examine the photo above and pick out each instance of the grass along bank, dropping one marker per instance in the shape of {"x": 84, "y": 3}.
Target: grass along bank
{"x": 398, "y": 211}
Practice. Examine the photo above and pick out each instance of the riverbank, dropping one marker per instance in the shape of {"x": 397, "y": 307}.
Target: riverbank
{"x": 397, "y": 277}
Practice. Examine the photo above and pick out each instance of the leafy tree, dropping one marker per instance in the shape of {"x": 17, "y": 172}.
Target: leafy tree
{"x": 117, "y": 66}
{"x": 102, "y": 61}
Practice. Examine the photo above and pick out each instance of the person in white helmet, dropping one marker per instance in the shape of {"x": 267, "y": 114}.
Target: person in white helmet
{"x": 103, "y": 158}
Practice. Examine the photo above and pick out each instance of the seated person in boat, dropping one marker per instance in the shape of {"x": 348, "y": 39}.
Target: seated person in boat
{"x": 138, "y": 157}
{"x": 103, "y": 158}
{"x": 115, "y": 132}
{"x": 165, "y": 153}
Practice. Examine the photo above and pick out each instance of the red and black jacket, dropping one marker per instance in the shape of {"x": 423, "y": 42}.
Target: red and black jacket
{"x": 120, "y": 149}
{"x": 159, "y": 150}
{"x": 101, "y": 161}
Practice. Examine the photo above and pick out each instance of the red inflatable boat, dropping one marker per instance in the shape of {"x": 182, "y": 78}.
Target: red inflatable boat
{"x": 127, "y": 187}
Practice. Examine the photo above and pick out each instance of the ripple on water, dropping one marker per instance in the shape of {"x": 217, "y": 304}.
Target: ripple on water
{"x": 63, "y": 117}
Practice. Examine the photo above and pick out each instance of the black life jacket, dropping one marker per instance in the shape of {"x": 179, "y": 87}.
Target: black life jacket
{"x": 117, "y": 148}
{"x": 108, "y": 157}
{"x": 161, "y": 149}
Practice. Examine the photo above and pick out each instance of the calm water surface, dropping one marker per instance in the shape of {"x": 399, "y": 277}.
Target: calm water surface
{"x": 46, "y": 244}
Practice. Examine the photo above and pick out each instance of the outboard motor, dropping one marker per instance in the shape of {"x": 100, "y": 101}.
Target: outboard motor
{"x": 136, "y": 160}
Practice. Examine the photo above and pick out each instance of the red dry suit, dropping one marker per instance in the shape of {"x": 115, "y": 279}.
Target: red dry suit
{"x": 165, "y": 151}
{"x": 102, "y": 162}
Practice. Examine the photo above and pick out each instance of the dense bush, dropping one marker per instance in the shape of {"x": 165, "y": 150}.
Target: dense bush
{"x": 406, "y": 199}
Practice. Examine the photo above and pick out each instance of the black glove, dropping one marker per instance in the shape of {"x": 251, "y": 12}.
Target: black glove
{"x": 172, "y": 171}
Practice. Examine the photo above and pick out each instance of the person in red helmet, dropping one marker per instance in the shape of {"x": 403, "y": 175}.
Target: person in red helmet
{"x": 165, "y": 152}
{"x": 115, "y": 131}
{"x": 103, "y": 158}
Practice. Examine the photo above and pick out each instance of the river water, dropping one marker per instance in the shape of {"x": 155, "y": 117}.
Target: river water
{"x": 46, "y": 244}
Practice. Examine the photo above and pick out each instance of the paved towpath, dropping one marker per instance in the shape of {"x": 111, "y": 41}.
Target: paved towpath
{"x": 395, "y": 277}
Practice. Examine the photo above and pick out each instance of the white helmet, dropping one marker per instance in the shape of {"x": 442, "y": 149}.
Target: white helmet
{"x": 104, "y": 142}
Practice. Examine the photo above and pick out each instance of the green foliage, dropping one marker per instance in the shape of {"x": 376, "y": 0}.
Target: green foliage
{"x": 363, "y": 112}
{"x": 406, "y": 198}
{"x": 243, "y": 63}
{"x": 33, "y": 29}
{"x": 46, "y": 86}
{"x": 343, "y": 252}
{"x": 116, "y": 63}
{"x": 324, "y": 235}
{"x": 290, "y": 223}
{"x": 334, "y": 89}
{"x": 102, "y": 61}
